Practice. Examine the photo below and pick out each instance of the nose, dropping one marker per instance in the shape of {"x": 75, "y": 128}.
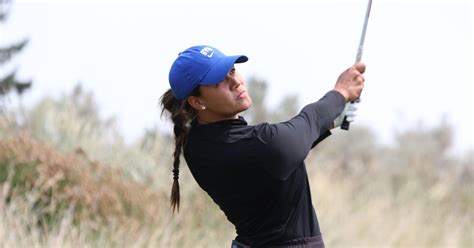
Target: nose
{"x": 235, "y": 82}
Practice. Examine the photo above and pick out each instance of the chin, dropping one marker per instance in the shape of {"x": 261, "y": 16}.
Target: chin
{"x": 247, "y": 104}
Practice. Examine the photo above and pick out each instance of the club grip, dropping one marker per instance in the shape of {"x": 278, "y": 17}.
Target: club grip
{"x": 345, "y": 124}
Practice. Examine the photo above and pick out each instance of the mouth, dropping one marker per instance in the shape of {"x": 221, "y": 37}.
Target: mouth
{"x": 242, "y": 94}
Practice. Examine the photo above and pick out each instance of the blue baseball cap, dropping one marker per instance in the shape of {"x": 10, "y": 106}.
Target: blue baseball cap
{"x": 200, "y": 65}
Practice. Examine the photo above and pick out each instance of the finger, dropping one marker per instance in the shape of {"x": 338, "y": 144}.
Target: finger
{"x": 350, "y": 118}
{"x": 360, "y": 67}
{"x": 359, "y": 78}
{"x": 353, "y": 107}
{"x": 354, "y": 104}
{"x": 351, "y": 113}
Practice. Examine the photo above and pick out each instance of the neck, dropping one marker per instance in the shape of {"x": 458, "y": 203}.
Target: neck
{"x": 206, "y": 119}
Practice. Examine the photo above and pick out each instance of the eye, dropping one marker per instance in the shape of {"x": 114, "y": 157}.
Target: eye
{"x": 232, "y": 71}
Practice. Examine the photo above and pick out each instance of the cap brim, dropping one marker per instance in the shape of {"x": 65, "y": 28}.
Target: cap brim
{"x": 219, "y": 70}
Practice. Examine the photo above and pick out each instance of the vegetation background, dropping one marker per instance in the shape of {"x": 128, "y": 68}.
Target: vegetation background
{"x": 67, "y": 178}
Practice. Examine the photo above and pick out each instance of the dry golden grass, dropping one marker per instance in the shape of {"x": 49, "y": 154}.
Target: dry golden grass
{"x": 51, "y": 198}
{"x": 392, "y": 198}
{"x": 372, "y": 212}
{"x": 94, "y": 206}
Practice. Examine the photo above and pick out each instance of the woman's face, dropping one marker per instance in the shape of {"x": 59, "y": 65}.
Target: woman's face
{"x": 227, "y": 98}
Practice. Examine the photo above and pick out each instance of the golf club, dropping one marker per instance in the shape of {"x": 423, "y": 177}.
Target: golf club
{"x": 345, "y": 124}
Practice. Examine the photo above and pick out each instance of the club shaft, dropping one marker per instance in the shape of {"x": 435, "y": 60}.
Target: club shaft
{"x": 364, "y": 30}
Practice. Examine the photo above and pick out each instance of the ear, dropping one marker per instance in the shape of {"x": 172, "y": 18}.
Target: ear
{"x": 195, "y": 102}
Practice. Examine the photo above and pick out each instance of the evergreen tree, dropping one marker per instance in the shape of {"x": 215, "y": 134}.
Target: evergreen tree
{"x": 8, "y": 81}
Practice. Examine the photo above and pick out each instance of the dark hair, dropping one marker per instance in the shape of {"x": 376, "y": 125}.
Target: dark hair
{"x": 182, "y": 114}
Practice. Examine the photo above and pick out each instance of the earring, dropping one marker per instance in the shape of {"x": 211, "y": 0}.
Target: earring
{"x": 203, "y": 107}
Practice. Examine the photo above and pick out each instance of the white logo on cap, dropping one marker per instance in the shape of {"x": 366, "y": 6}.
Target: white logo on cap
{"x": 207, "y": 51}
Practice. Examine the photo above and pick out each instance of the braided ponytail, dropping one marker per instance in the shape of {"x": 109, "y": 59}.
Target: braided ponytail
{"x": 182, "y": 114}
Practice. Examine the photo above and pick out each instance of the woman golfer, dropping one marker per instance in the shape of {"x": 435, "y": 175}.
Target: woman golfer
{"x": 256, "y": 174}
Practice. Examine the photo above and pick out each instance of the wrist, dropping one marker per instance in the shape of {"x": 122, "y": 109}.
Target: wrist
{"x": 344, "y": 93}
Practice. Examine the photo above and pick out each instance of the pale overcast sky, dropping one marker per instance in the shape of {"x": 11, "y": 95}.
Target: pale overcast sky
{"x": 419, "y": 54}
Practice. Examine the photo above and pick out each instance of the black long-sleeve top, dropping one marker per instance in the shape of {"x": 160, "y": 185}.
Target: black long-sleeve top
{"x": 257, "y": 175}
